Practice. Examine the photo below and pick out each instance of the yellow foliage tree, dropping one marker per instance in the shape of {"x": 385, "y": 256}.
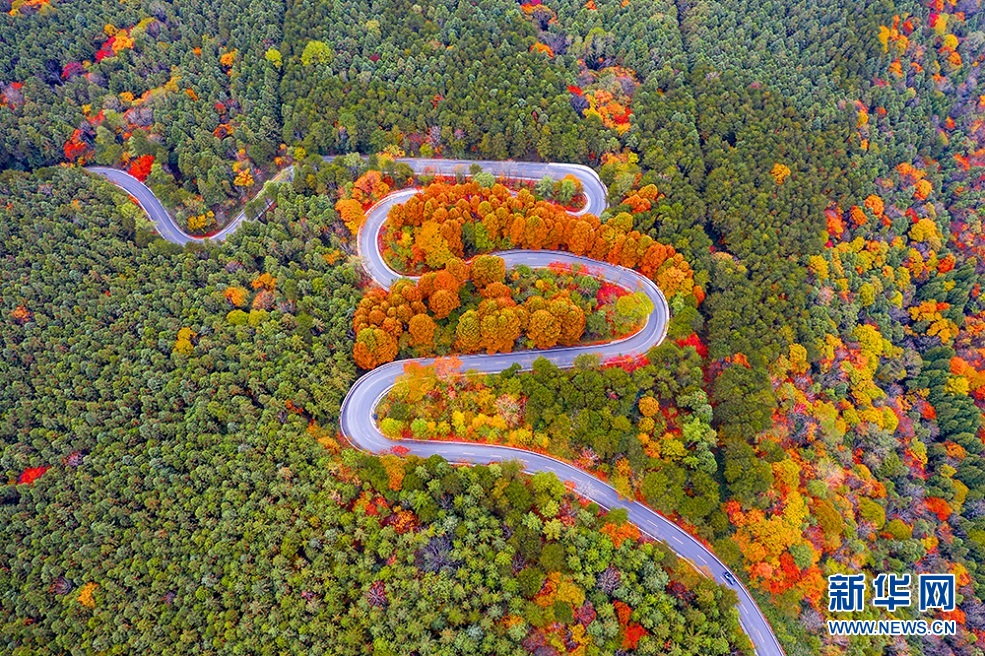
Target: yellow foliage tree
{"x": 121, "y": 42}
{"x": 374, "y": 346}
{"x": 487, "y": 269}
{"x": 351, "y": 213}
{"x": 544, "y": 329}
{"x": 926, "y": 231}
{"x": 571, "y": 319}
{"x": 86, "y": 595}
{"x": 780, "y": 172}
{"x": 434, "y": 245}
{"x": 468, "y": 332}
{"x": 922, "y": 189}
{"x": 500, "y": 328}
{"x": 394, "y": 467}
{"x": 183, "y": 344}
{"x": 244, "y": 178}
{"x": 649, "y": 406}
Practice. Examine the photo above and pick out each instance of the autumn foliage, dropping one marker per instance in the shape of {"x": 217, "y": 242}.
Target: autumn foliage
{"x": 374, "y": 346}
{"x": 448, "y": 221}
{"x": 140, "y": 167}
{"x": 31, "y": 474}
{"x": 118, "y": 41}
{"x": 427, "y": 316}
{"x": 86, "y": 597}
{"x": 607, "y": 96}
{"x": 364, "y": 192}
{"x": 76, "y": 148}
{"x": 21, "y": 314}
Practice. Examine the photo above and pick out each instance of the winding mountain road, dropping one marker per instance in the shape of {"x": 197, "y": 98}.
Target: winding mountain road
{"x": 358, "y": 412}
{"x": 169, "y": 229}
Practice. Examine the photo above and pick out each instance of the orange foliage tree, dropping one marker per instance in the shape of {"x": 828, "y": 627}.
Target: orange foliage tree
{"x": 500, "y": 325}
{"x": 351, "y": 213}
{"x": 421, "y": 328}
{"x": 369, "y": 188}
{"x": 411, "y": 312}
{"x": 374, "y": 346}
{"x": 553, "y": 322}
{"x": 236, "y": 295}
{"x": 544, "y": 329}
{"x": 427, "y": 231}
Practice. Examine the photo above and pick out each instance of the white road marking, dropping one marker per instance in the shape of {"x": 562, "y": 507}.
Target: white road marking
{"x": 360, "y": 400}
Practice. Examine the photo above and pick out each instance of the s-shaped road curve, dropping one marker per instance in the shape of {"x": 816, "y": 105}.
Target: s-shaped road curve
{"x": 358, "y": 411}
{"x": 170, "y": 230}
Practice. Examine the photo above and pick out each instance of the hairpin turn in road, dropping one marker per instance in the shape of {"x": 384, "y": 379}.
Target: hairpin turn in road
{"x": 358, "y": 412}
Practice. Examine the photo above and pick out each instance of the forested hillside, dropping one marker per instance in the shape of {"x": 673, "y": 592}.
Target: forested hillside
{"x": 179, "y": 94}
{"x": 812, "y": 171}
{"x": 175, "y": 478}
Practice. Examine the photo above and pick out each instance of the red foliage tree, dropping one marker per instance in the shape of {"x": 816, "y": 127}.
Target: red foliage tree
{"x": 75, "y": 148}
{"x": 632, "y": 631}
{"x": 939, "y": 507}
{"x": 140, "y": 167}
{"x": 30, "y": 475}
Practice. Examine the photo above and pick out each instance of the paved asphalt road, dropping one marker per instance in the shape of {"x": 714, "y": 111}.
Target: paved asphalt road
{"x": 358, "y": 412}
{"x": 162, "y": 220}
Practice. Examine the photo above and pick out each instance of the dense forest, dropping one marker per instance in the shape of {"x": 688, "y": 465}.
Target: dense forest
{"x": 812, "y": 170}
{"x": 481, "y": 309}
{"x": 175, "y": 478}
